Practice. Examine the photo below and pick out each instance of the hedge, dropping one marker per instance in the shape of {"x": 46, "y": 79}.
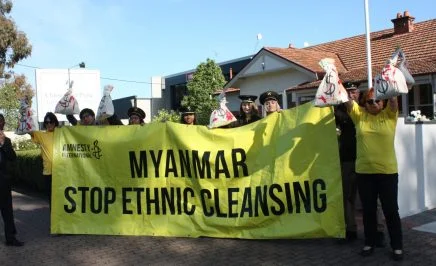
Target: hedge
{"x": 27, "y": 169}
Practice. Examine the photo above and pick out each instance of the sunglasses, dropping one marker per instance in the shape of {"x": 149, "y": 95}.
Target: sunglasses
{"x": 372, "y": 101}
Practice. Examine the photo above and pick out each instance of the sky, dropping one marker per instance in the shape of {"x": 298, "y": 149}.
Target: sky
{"x": 133, "y": 40}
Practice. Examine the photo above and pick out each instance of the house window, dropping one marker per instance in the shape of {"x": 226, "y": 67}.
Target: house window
{"x": 420, "y": 97}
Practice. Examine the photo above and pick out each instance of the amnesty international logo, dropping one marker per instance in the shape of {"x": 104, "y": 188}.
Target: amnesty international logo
{"x": 82, "y": 150}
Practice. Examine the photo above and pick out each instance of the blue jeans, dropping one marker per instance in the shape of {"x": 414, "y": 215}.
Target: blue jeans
{"x": 385, "y": 187}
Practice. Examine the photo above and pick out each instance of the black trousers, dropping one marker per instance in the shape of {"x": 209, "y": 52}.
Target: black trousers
{"x": 385, "y": 187}
{"x": 47, "y": 187}
{"x": 6, "y": 209}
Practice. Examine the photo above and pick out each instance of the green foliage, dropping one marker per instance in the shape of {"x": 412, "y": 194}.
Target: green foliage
{"x": 24, "y": 144}
{"x": 207, "y": 79}
{"x": 27, "y": 169}
{"x": 14, "y": 45}
{"x": 9, "y": 106}
{"x": 164, "y": 115}
{"x": 14, "y": 89}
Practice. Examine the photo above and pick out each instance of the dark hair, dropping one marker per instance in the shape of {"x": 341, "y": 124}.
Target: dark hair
{"x": 254, "y": 111}
{"x": 52, "y": 117}
{"x": 369, "y": 94}
{"x": 86, "y": 111}
{"x": 182, "y": 120}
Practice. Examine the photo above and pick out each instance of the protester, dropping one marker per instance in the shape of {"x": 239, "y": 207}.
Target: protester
{"x": 87, "y": 118}
{"x": 7, "y": 153}
{"x": 270, "y": 101}
{"x": 45, "y": 140}
{"x": 136, "y": 116}
{"x": 188, "y": 116}
{"x": 248, "y": 112}
{"x": 347, "y": 155}
{"x": 376, "y": 168}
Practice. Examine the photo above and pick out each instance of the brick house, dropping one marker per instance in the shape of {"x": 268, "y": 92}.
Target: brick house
{"x": 295, "y": 74}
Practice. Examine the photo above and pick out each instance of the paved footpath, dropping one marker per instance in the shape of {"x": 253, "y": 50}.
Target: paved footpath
{"x": 32, "y": 219}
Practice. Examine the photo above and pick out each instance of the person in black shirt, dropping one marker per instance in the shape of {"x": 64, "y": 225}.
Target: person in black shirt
{"x": 248, "y": 112}
{"x": 347, "y": 154}
{"x": 7, "y": 154}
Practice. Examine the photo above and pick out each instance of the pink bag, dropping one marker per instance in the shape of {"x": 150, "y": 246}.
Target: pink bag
{"x": 390, "y": 83}
{"x": 106, "y": 107}
{"x": 221, "y": 116}
{"x": 68, "y": 104}
{"x": 26, "y": 123}
{"x": 395, "y": 78}
{"x": 329, "y": 91}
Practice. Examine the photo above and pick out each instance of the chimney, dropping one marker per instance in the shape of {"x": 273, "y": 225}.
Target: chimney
{"x": 403, "y": 23}
{"x": 291, "y": 45}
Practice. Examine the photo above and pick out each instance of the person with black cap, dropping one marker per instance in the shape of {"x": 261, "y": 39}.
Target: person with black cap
{"x": 87, "y": 118}
{"x": 270, "y": 101}
{"x": 7, "y": 155}
{"x": 248, "y": 112}
{"x": 347, "y": 155}
{"x": 187, "y": 115}
{"x": 136, "y": 116}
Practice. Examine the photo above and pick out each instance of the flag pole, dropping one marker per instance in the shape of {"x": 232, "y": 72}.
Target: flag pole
{"x": 368, "y": 45}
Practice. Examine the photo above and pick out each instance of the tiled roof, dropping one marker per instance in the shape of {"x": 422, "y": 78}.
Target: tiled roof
{"x": 228, "y": 90}
{"x": 306, "y": 58}
{"x": 420, "y": 44}
{"x": 419, "y": 47}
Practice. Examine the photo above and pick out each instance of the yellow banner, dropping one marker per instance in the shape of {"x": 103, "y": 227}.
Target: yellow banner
{"x": 275, "y": 178}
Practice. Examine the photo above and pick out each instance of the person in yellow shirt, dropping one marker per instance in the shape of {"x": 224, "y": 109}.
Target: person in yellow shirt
{"x": 376, "y": 168}
{"x": 45, "y": 140}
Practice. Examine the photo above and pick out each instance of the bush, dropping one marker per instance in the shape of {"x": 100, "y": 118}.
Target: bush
{"x": 27, "y": 169}
{"x": 165, "y": 115}
{"x": 24, "y": 144}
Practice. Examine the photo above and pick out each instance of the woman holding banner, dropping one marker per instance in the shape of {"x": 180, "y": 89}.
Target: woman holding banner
{"x": 45, "y": 140}
{"x": 248, "y": 112}
{"x": 376, "y": 168}
{"x": 187, "y": 116}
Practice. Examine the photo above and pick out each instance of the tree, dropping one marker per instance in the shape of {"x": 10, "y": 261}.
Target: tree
{"x": 164, "y": 115}
{"x": 14, "y": 45}
{"x": 207, "y": 79}
{"x": 12, "y": 90}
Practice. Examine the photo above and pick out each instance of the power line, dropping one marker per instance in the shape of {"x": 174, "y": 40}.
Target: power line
{"x": 123, "y": 80}
{"x": 27, "y": 66}
{"x": 113, "y": 79}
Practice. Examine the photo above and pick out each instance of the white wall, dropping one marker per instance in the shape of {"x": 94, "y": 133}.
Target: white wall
{"x": 52, "y": 84}
{"x": 415, "y": 146}
{"x": 277, "y": 81}
{"x": 145, "y": 104}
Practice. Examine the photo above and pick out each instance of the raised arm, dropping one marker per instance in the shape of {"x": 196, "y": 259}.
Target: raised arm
{"x": 393, "y": 104}
{"x": 72, "y": 120}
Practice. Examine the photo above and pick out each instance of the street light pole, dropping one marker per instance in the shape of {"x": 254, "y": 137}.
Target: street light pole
{"x": 81, "y": 65}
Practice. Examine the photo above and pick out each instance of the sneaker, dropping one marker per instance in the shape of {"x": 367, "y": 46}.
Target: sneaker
{"x": 397, "y": 255}
{"x": 380, "y": 240}
{"x": 367, "y": 251}
{"x": 14, "y": 242}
